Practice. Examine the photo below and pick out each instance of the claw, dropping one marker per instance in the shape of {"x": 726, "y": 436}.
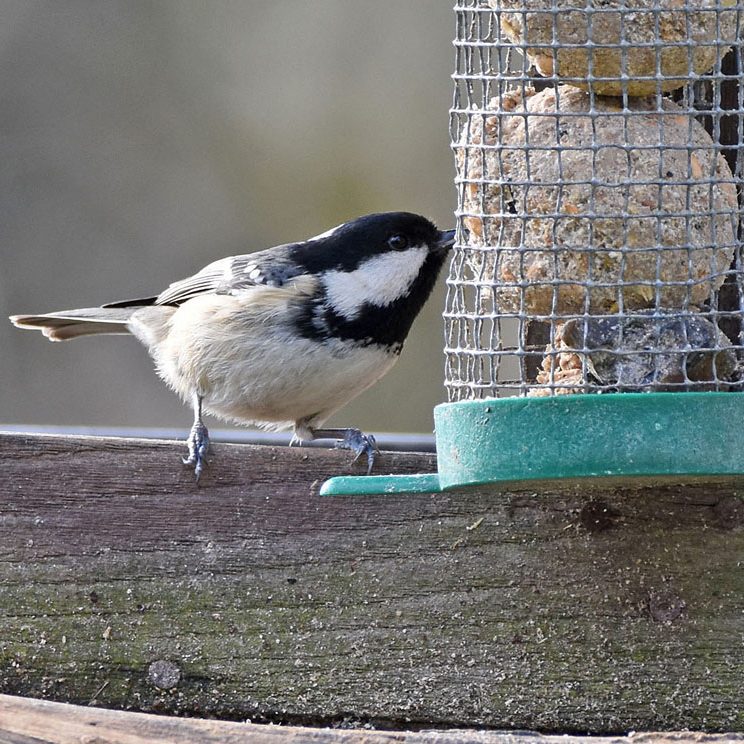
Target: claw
{"x": 360, "y": 444}
{"x": 348, "y": 439}
{"x": 198, "y": 443}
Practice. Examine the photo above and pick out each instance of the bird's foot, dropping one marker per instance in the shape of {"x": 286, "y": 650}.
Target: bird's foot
{"x": 360, "y": 444}
{"x": 348, "y": 439}
{"x": 198, "y": 444}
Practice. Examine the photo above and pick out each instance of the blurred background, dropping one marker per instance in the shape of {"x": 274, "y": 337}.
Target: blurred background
{"x": 142, "y": 140}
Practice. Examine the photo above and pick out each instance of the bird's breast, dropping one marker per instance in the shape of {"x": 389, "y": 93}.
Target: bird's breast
{"x": 247, "y": 361}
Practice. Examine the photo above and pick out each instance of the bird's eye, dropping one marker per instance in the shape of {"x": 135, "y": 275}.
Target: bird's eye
{"x": 398, "y": 242}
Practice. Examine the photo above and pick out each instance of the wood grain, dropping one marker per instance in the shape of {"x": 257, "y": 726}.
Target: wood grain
{"x": 25, "y": 721}
{"x": 582, "y": 609}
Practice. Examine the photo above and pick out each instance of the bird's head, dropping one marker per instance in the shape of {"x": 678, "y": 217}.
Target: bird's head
{"x": 375, "y": 272}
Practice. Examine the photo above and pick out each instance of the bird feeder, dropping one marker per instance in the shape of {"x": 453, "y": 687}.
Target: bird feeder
{"x": 593, "y": 322}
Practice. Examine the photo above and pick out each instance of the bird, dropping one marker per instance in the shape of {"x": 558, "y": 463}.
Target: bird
{"x": 284, "y": 337}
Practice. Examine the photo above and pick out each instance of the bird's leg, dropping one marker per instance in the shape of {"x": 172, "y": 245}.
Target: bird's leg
{"x": 349, "y": 439}
{"x": 198, "y": 441}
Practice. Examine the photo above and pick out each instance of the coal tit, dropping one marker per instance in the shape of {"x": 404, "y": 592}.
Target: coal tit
{"x": 283, "y": 337}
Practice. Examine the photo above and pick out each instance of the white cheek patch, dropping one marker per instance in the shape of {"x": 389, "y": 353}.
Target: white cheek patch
{"x": 380, "y": 281}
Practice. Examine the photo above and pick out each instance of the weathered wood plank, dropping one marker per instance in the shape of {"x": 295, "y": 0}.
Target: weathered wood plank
{"x": 585, "y": 609}
{"x": 25, "y": 721}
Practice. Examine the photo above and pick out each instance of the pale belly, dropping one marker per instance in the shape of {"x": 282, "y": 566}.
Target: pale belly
{"x": 250, "y": 370}
{"x": 281, "y": 389}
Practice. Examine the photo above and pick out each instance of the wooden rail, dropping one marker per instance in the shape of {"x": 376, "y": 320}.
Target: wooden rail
{"x": 24, "y": 721}
{"x": 586, "y": 608}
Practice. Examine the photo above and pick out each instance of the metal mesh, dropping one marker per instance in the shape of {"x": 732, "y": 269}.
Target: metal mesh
{"x": 598, "y": 170}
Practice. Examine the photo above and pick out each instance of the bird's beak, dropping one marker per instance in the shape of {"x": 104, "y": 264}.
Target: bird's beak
{"x": 446, "y": 240}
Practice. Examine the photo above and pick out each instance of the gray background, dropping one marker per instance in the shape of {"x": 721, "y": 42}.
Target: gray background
{"x": 141, "y": 140}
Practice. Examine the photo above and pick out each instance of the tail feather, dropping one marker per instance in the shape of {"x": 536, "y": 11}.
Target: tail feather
{"x": 67, "y": 324}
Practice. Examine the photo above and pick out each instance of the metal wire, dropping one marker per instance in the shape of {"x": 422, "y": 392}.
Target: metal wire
{"x": 599, "y": 164}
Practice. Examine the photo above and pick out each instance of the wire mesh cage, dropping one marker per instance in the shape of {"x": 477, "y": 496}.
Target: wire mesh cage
{"x": 599, "y": 164}
{"x": 598, "y": 149}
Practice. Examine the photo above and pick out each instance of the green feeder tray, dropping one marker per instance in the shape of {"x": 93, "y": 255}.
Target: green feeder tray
{"x": 628, "y": 435}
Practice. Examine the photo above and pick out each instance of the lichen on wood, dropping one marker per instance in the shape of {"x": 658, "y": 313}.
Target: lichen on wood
{"x": 590, "y": 607}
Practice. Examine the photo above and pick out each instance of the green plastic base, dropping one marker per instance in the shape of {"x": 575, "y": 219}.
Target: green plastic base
{"x": 574, "y": 436}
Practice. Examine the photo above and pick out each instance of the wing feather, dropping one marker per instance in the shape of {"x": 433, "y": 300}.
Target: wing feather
{"x": 232, "y": 275}
{"x": 205, "y": 281}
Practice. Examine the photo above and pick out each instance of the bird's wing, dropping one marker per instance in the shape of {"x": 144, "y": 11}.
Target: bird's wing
{"x": 232, "y": 275}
